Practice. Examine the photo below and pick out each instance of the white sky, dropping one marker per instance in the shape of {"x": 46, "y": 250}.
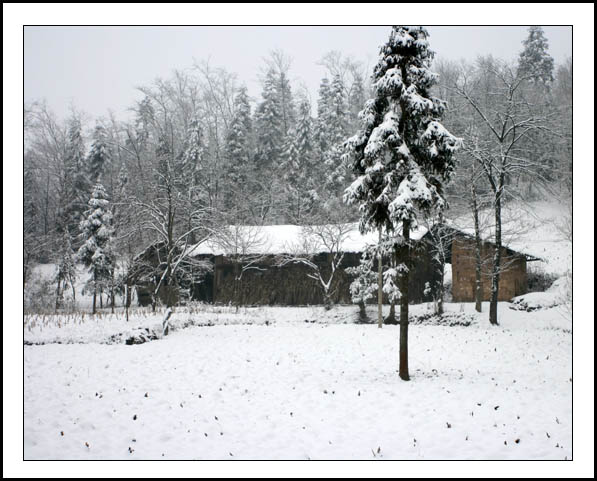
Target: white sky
{"x": 98, "y": 68}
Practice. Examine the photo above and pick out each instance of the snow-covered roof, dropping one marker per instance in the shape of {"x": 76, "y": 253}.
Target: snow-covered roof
{"x": 487, "y": 236}
{"x": 283, "y": 239}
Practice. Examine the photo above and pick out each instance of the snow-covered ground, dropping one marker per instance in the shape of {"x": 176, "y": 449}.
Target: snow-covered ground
{"x": 306, "y": 383}
{"x": 300, "y": 383}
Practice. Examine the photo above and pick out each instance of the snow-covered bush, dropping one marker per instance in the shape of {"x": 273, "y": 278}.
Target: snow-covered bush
{"x": 39, "y": 295}
{"x": 558, "y": 294}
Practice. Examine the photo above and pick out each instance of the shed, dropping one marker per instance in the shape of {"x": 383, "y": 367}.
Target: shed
{"x": 461, "y": 255}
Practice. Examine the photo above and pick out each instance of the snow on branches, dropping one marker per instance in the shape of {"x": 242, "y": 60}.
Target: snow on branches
{"x": 402, "y": 154}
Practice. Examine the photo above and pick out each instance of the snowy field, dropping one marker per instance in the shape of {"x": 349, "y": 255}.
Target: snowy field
{"x": 298, "y": 383}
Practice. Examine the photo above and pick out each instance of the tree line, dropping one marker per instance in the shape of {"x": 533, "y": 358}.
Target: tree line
{"x": 199, "y": 154}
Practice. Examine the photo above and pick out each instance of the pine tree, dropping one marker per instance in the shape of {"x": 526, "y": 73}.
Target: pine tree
{"x": 337, "y": 112}
{"x": 304, "y": 132}
{"x": 66, "y": 274}
{"x": 323, "y": 117}
{"x": 238, "y": 142}
{"x": 364, "y": 286}
{"x": 535, "y": 61}
{"x": 336, "y": 126}
{"x": 76, "y": 187}
{"x": 402, "y": 155}
{"x": 286, "y": 103}
{"x": 356, "y": 100}
{"x": 99, "y": 155}
{"x": 189, "y": 172}
{"x": 270, "y": 133}
{"x": 298, "y": 167}
{"x": 96, "y": 231}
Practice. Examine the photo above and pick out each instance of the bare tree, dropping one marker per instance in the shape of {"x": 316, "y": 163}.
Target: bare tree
{"x": 325, "y": 239}
{"x": 246, "y": 246}
{"x": 505, "y": 118}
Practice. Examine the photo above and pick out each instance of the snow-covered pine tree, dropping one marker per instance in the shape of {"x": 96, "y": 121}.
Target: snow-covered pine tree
{"x": 402, "y": 155}
{"x": 336, "y": 125}
{"x": 536, "y": 69}
{"x": 323, "y": 115}
{"x": 534, "y": 61}
{"x": 238, "y": 147}
{"x": 304, "y": 131}
{"x": 269, "y": 125}
{"x": 99, "y": 155}
{"x": 96, "y": 231}
{"x": 286, "y": 102}
{"x": 297, "y": 168}
{"x": 67, "y": 272}
{"x": 189, "y": 171}
{"x": 364, "y": 285}
{"x": 77, "y": 188}
{"x": 356, "y": 100}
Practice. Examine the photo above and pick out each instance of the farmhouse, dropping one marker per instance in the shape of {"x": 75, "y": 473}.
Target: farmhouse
{"x": 263, "y": 265}
{"x": 461, "y": 255}
{"x": 251, "y": 265}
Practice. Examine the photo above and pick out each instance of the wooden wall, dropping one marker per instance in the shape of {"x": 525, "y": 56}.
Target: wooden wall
{"x": 513, "y": 279}
{"x": 290, "y": 284}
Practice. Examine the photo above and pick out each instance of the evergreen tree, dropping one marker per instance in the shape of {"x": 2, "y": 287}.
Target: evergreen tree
{"x": 536, "y": 67}
{"x": 336, "y": 126}
{"x": 337, "y": 112}
{"x": 364, "y": 286}
{"x": 238, "y": 141}
{"x": 402, "y": 155}
{"x": 323, "y": 117}
{"x": 286, "y": 103}
{"x": 66, "y": 274}
{"x": 356, "y": 100}
{"x": 96, "y": 231}
{"x": 298, "y": 168}
{"x": 534, "y": 60}
{"x": 270, "y": 134}
{"x": 189, "y": 172}
{"x": 76, "y": 187}
{"x": 304, "y": 132}
{"x": 99, "y": 155}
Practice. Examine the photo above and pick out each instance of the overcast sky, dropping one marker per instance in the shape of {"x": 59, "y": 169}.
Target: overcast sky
{"x": 98, "y": 68}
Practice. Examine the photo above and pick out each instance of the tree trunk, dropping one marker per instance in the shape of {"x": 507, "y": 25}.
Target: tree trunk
{"x": 379, "y": 285}
{"x": 112, "y": 292}
{"x": 391, "y": 319}
{"x": 478, "y": 264}
{"x": 495, "y": 275}
{"x": 440, "y": 300}
{"x": 58, "y": 295}
{"x": 405, "y": 251}
{"x": 94, "y": 291}
{"x": 236, "y": 284}
{"x": 127, "y": 299}
{"x": 362, "y": 312}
